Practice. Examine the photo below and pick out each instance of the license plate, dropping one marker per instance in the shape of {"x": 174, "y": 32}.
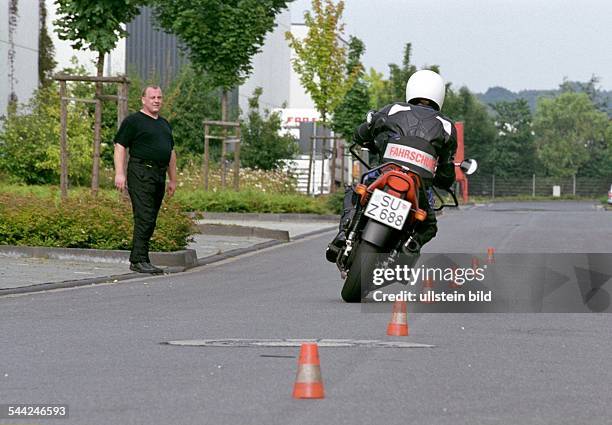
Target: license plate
{"x": 388, "y": 209}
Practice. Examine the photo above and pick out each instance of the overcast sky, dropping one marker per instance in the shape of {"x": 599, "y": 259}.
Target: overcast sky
{"x": 517, "y": 44}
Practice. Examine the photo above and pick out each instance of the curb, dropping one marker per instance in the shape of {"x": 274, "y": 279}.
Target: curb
{"x": 183, "y": 258}
{"x": 265, "y": 216}
{"x": 238, "y": 230}
{"x": 40, "y": 287}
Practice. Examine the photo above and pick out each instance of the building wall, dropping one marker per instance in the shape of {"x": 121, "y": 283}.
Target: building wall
{"x": 150, "y": 52}
{"x": 271, "y": 69}
{"x": 22, "y": 76}
{"x": 299, "y": 98}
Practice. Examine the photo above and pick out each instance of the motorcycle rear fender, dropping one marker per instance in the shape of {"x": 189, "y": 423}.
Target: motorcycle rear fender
{"x": 380, "y": 235}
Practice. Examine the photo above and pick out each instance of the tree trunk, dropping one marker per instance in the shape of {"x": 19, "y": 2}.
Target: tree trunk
{"x": 95, "y": 174}
{"x": 224, "y": 105}
{"x": 224, "y": 118}
{"x": 63, "y": 144}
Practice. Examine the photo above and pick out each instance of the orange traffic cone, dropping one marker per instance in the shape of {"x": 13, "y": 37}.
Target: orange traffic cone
{"x": 308, "y": 382}
{"x": 490, "y": 255}
{"x": 427, "y": 293}
{"x": 398, "y": 326}
{"x": 453, "y": 284}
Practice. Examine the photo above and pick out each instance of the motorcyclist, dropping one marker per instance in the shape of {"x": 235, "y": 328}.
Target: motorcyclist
{"x": 418, "y": 118}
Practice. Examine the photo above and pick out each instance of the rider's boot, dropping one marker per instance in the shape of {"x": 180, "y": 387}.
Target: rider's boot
{"x": 335, "y": 246}
{"x": 339, "y": 241}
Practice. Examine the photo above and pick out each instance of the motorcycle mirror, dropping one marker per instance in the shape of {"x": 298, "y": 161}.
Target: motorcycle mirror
{"x": 469, "y": 166}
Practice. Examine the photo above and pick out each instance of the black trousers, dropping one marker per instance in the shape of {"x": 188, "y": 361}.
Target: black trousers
{"x": 146, "y": 185}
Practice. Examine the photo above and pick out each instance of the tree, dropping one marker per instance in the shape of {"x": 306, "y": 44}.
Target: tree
{"x": 600, "y": 157}
{"x": 97, "y": 26}
{"x": 220, "y": 36}
{"x": 514, "y": 151}
{"x": 383, "y": 92}
{"x": 352, "y": 111}
{"x": 398, "y": 77}
{"x": 46, "y": 52}
{"x": 320, "y": 58}
{"x": 590, "y": 88}
{"x": 480, "y": 132}
{"x": 188, "y": 99}
{"x": 377, "y": 88}
{"x": 568, "y": 129}
{"x": 262, "y": 145}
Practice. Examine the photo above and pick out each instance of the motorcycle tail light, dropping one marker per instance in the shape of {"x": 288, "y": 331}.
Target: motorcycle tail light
{"x": 398, "y": 184}
{"x": 420, "y": 214}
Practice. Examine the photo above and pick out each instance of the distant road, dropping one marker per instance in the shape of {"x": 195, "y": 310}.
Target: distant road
{"x": 515, "y": 227}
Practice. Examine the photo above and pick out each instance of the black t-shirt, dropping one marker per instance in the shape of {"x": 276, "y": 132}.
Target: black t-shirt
{"x": 146, "y": 137}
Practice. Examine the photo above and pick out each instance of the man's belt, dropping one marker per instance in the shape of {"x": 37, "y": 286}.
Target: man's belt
{"x": 149, "y": 163}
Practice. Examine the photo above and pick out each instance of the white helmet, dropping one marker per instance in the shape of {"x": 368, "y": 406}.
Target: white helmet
{"x": 426, "y": 84}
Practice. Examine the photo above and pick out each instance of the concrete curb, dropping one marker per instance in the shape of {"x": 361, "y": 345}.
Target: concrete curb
{"x": 183, "y": 258}
{"x": 40, "y": 287}
{"x": 238, "y": 230}
{"x": 265, "y": 216}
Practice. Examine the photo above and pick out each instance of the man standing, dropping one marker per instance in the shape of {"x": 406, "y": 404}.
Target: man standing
{"x": 148, "y": 136}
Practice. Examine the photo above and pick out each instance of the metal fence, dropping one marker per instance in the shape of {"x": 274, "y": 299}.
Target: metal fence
{"x": 495, "y": 186}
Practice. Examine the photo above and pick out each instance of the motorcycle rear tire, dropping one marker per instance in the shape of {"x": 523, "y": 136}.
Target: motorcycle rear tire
{"x": 364, "y": 262}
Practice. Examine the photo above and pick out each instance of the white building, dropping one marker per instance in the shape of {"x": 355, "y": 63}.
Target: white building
{"x": 18, "y": 51}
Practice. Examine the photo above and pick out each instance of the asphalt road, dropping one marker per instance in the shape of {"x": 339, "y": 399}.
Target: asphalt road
{"x": 99, "y": 349}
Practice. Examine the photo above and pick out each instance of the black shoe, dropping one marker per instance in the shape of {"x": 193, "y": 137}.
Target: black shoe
{"x": 334, "y": 247}
{"x": 145, "y": 267}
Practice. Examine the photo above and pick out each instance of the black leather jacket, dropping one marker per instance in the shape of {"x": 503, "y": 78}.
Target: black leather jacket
{"x": 403, "y": 119}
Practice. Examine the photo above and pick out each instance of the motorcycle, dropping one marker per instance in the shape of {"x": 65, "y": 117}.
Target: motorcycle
{"x": 383, "y": 228}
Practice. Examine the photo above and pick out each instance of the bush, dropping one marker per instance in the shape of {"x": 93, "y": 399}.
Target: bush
{"x": 335, "y": 201}
{"x": 249, "y": 201}
{"x": 103, "y": 222}
{"x": 262, "y": 145}
{"x": 29, "y": 141}
{"x": 188, "y": 101}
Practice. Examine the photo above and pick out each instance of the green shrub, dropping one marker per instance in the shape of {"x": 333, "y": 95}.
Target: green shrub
{"x": 335, "y": 201}
{"x": 82, "y": 221}
{"x": 29, "y": 141}
{"x": 262, "y": 145}
{"x": 249, "y": 201}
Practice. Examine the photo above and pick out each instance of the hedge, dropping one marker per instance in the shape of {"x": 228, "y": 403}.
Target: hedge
{"x": 83, "y": 221}
{"x": 250, "y": 201}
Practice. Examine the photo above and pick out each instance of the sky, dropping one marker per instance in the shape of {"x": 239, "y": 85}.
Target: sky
{"x": 516, "y": 44}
